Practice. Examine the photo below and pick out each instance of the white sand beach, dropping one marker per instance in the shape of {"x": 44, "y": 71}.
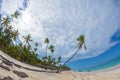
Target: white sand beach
{"x": 41, "y": 74}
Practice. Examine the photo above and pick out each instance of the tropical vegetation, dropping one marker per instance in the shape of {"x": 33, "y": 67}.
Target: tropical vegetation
{"x": 24, "y": 52}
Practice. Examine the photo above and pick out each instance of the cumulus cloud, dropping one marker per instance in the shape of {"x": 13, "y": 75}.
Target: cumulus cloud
{"x": 63, "y": 21}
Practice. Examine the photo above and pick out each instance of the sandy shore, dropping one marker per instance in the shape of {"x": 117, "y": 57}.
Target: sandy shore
{"x": 109, "y": 74}
{"x": 66, "y": 75}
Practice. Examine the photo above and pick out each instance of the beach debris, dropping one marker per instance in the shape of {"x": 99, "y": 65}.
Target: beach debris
{"x": 7, "y": 78}
{"x": 7, "y": 63}
{"x": 5, "y": 67}
{"x": 20, "y": 74}
{"x": 17, "y": 65}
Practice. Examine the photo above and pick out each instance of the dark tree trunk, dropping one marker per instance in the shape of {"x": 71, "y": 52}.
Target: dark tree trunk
{"x": 68, "y": 60}
{"x": 46, "y": 50}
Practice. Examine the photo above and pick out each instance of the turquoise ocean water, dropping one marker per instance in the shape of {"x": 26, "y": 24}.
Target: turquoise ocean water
{"x": 105, "y": 66}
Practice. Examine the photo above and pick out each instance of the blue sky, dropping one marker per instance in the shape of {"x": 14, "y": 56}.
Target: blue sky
{"x": 62, "y": 21}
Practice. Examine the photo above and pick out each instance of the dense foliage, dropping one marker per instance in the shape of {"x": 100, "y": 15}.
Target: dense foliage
{"x": 24, "y": 51}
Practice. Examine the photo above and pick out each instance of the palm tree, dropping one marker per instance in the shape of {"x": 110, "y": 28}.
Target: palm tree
{"x": 59, "y": 59}
{"x": 27, "y": 39}
{"x": 46, "y": 42}
{"x": 36, "y": 45}
{"x": 14, "y": 34}
{"x": 16, "y": 14}
{"x": 6, "y": 21}
{"x": 81, "y": 42}
{"x": 51, "y": 48}
{"x": 52, "y": 60}
{"x": 6, "y": 29}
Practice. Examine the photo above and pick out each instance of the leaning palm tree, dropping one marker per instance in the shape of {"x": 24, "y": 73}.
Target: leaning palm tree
{"x": 81, "y": 42}
{"x": 46, "y": 42}
{"x": 27, "y": 39}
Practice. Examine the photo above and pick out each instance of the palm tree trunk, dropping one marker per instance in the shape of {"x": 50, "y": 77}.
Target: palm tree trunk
{"x": 46, "y": 50}
{"x": 71, "y": 57}
{"x": 52, "y": 55}
{"x": 68, "y": 60}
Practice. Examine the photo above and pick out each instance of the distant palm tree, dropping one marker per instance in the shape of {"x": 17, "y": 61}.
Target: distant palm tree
{"x": 6, "y": 21}
{"x": 36, "y": 45}
{"x": 27, "y": 39}
{"x": 51, "y": 48}
{"x": 16, "y": 14}
{"x": 14, "y": 34}
{"x": 46, "y": 42}
{"x": 59, "y": 59}
{"x": 81, "y": 42}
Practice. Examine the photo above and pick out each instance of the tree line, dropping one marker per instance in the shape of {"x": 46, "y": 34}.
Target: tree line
{"x": 25, "y": 52}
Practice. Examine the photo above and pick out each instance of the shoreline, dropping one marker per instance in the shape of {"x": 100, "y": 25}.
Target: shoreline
{"x": 9, "y": 71}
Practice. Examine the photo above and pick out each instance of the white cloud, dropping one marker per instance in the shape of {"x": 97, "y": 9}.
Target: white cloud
{"x": 10, "y": 6}
{"x": 63, "y": 21}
